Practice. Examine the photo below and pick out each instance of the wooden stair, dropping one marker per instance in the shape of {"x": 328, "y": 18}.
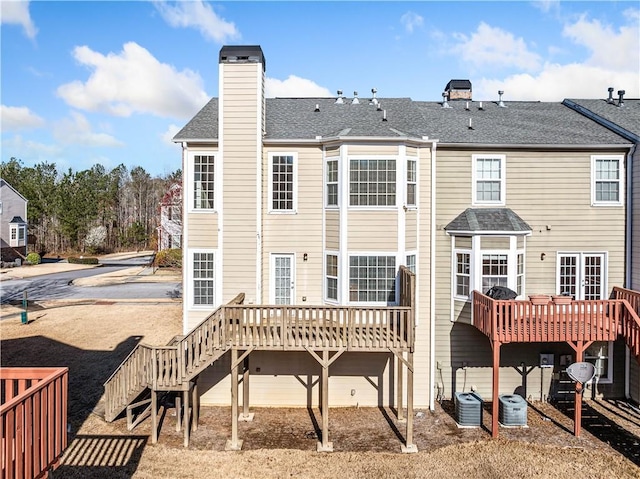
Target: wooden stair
{"x": 166, "y": 368}
{"x": 629, "y": 327}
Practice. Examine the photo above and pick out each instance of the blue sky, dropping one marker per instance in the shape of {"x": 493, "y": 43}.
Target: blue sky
{"x": 112, "y": 82}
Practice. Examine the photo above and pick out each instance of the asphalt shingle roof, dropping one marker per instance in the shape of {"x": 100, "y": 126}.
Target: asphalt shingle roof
{"x": 626, "y": 117}
{"x": 488, "y": 219}
{"x": 520, "y": 123}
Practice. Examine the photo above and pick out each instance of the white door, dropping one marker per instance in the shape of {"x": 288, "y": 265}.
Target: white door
{"x": 582, "y": 275}
{"x": 282, "y": 279}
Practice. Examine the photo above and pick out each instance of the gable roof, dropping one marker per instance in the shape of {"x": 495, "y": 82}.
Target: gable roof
{"x": 487, "y": 220}
{"x": 623, "y": 120}
{"x": 6, "y": 183}
{"x": 536, "y": 124}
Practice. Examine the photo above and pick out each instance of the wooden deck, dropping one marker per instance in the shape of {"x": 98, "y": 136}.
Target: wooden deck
{"x": 33, "y": 418}
{"x": 578, "y": 323}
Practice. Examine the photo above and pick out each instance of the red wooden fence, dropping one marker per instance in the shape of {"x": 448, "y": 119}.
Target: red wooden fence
{"x": 33, "y": 416}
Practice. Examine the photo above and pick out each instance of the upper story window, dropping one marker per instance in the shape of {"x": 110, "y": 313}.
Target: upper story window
{"x": 489, "y": 179}
{"x": 411, "y": 263}
{"x": 283, "y": 182}
{"x": 462, "y": 278}
{"x": 332, "y": 277}
{"x": 203, "y": 278}
{"x": 203, "y": 182}
{"x": 372, "y": 279}
{"x": 606, "y": 184}
{"x": 411, "y": 183}
{"x": 332, "y": 182}
{"x": 372, "y": 182}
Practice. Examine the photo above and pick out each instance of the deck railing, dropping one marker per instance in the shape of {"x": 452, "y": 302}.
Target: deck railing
{"x": 523, "y": 321}
{"x": 34, "y": 420}
{"x": 630, "y": 319}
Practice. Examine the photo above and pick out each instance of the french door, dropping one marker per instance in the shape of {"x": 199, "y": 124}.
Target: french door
{"x": 282, "y": 279}
{"x": 582, "y": 275}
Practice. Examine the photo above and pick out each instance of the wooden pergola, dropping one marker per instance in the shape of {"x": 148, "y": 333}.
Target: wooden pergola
{"x": 325, "y": 332}
{"x": 578, "y": 323}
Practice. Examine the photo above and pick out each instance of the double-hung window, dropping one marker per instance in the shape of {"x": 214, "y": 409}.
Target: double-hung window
{"x": 372, "y": 182}
{"x": 495, "y": 271}
{"x": 372, "y": 279}
{"x": 331, "y": 271}
{"x": 463, "y": 273}
{"x": 203, "y": 278}
{"x": 283, "y": 182}
{"x": 332, "y": 182}
{"x": 489, "y": 179}
{"x": 606, "y": 184}
{"x": 203, "y": 182}
{"x": 411, "y": 183}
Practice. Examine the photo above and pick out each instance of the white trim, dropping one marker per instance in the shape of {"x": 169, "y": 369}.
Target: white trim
{"x": 621, "y": 177}
{"x": 387, "y": 254}
{"x": 189, "y": 300}
{"x": 432, "y": 279}
{"x": 325, "y": 277}
{"x": 474, "y": 179}
{"x": 401, "y": 216}
{"x": 391, "y": 207}
{"x": 580, "y": 287}
{"x": 413, "y": 206}
{"x": 272, "y": 282}
{"x": 190, "y": 180}
{"x": 325, "y": 182}
{"x": 270, "y": 208}
{"x": 219, "y": 197}
{"x": 343, "y": 202}
{"x": 260, "y": 112}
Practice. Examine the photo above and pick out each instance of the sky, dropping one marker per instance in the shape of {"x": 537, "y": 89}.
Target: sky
{"x": 96, "y": 82}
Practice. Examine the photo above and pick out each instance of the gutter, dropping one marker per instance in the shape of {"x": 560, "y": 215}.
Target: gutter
{"x": 628, "y": 257}
{"x": 432, "y": 282}
{"x": 507, "y": 146}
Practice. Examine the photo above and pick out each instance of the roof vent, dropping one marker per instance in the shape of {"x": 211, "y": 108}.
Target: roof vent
{"x": 339, "y": 100}
{"x": 379, "y": 107}
{"x": 610, "y": 99}
{"x": 355, "y": 98}
{"x": 384, "y": 115}
{"x": 480, "y": 107}
{"x": 621, "y": 97}
{"x": 500, "y": 102}
{"x": 470, "y": 124}
{"x": 445, "y": 103}
{"x": 466, "y": 107}
{"x": 317, "y": 108}
{"x": 374, "y": 100}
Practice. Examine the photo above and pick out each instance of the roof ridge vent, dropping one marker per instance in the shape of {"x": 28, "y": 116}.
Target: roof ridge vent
{"x": 374, "y": 100}
{"x": 610, "y": 99}
{"x": 355, "y": 98}
{"x": 339, "y": 100}
{"x": 445, "y": 103}
{"x": 500, "y": 102}
{"x": 621, "y": 97}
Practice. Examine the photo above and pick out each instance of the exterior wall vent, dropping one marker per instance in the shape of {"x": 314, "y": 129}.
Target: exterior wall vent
{"x": 468, "y": 409}
{"x": 512, "y": 410}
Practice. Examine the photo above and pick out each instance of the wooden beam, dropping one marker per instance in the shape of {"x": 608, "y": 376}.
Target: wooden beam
{"x": 185, "y": 415}
{"x": 234, "y": 444}
{"x": 241, "y": 358}
{"x": 154, "y": 416}
{"x": 195, "y": 417}
{"x": 400, "y": 386}
{"x": 409, "y": 446}
{"x": 400, "y": 355}
{"x": 324, "y": 445}
{"x": 246, "y": 416}
{"x": 325, "y": 363}
{"x": 495, "y": 388}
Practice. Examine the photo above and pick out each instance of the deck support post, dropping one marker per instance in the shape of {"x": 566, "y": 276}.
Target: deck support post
{"x": 154, "y": 416}
{"x": 325, "y": 445}
{"x": 195, "y": 400}
{"x": 185, "y": 413}
{"x": 246, "y": 416}
{"x": 234, "y": 444}
{"x": 399, "y": 389}
{"x": 579, "y": 347}
{"x": 495, "y": 388}
{"x": 409, "y": 447}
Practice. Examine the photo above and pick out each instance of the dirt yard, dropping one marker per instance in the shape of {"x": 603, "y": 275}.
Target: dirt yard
{"x": 91, "y": 338}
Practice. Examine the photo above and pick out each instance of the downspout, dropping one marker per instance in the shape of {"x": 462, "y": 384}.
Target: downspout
{"x": 628, "y": 257}
{"x": 185, "y": 241}
{"x": 432, "y": 282}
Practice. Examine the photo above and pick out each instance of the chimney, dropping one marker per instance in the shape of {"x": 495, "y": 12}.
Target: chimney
{"x": 621, "y": 97}
{"x": 610, "y": 99}
{"x": 458, "y": 90}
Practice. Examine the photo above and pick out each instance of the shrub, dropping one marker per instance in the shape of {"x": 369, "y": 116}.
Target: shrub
{"x": 34, "y": 258}
{"x": 82, "y": 260}
{"x": 169, "y": 258}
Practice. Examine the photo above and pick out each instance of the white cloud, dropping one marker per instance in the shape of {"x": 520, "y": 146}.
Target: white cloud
{"x": 134, "y": 81}
{"x": 294, "y": 87}
{"x": 17, "y": 147}
{"x": 17, "y": 13}
{"x": 168, "y": 135}
{"x": 200, "y": 16}
{"x": 494, "y": 47}
{"x": 411, "y": 20}
{"x": 77, "y": 131}
{"x": 618, "y": 50}
{"x": 547, "y": 6}
{"x": 18, "y": 118}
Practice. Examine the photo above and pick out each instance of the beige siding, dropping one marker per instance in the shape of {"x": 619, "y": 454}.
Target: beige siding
{"x": 373, "y": 230}
{"x": 332, "y": 151}
{"x": 411, "y": 230}
{"x": 203, "y": 230}
{"x": 332, "y": 230}
{"x": 552, "y": 193}
{"x": 412, "y": 151}
{"x": 241, "y": 115}
{"x": 635, "y": 221}
{"x": 297, "y": 233}
{"x": 373, "y": 149}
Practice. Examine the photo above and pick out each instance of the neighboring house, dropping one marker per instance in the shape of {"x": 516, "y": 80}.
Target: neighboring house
{"x": 622, "y": 115}
{"x": 13, "y": 223}
{"x": 319, "y": 201}
{"x": 170, "y": 229}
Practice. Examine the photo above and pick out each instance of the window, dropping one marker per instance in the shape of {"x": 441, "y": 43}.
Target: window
{"x": 520, "y": 275}
{"x": 203, "y": 182}
{"x": 600, "y": 353}
{"x": 411, "y": 182}
{"x": 203, "y": 278}
{"x": 489, "y": 180}
{"x": 372, "y": 279}
{"x": 17, "y": 233}
{"x": 332, "y": 277}
{"x": 332, "y": 183}
{"x": 463, "y": 274}
{"x": 372, "y": 182}
{"x": 411, "y": 263}
{"x": 494, "y": 271}
{"x": 14, "y": 233}
{"x": 282, "y": 183}
{"x": 21, "y": 232}
{"x": 606, "y": 180}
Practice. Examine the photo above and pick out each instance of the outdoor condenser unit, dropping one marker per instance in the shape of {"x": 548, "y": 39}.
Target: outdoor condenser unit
{"x": 468, "y": 409}
{"x": 512, "y": 410}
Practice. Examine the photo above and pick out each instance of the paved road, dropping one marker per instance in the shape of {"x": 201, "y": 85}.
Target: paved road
{"x": 58, "y": 286}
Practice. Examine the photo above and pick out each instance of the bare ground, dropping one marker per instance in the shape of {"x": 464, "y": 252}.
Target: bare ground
{"x": 92, "y": 338}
